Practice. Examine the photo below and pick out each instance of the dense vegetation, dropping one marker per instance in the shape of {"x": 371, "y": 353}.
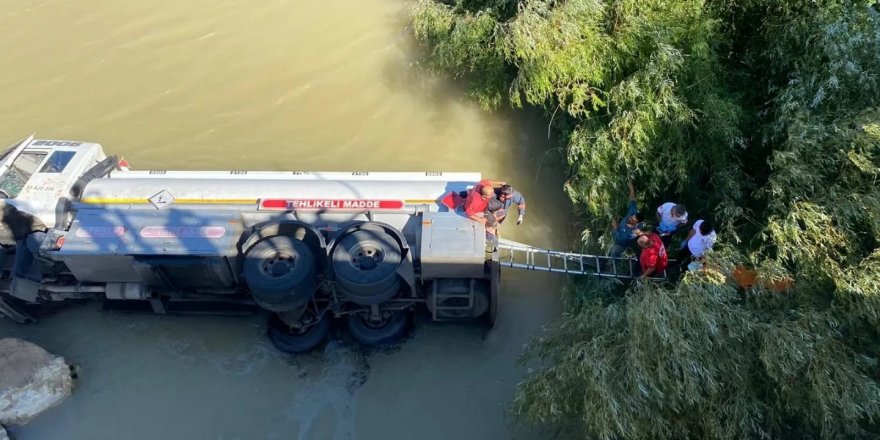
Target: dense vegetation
{"x": 764, "y": 114}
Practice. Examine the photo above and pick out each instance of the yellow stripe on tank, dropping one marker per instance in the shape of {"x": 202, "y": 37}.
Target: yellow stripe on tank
{"x": 123, "y": 201}
{"x": 419, "y": 201}
{"x": 217, "y": 201}
{"x": 106, "y": 201}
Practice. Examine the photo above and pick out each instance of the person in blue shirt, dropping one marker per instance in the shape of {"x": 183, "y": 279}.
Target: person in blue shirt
{"x": 629, "y": 228}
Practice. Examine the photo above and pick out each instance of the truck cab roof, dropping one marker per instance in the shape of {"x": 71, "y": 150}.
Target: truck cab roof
{"x": 37, "y": 174}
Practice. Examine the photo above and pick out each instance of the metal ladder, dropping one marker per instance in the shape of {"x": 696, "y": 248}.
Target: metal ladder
{"x": 522, "y": 256}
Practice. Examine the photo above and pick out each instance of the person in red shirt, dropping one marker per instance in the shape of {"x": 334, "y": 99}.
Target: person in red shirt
{"x": 476, "y": 205}
{"x": 653, "y": 258}
{"x": 480, "y": 206}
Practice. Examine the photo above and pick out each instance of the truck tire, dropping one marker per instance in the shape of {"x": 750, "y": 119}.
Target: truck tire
{"x": 291, "y": 340}
{"x": 280, "y": 272}
{"x": 388, "y": 331}
{"x": 365, "y": 263}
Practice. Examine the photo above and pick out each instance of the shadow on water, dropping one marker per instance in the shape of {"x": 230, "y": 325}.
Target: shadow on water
{"x": 518, "y": 147}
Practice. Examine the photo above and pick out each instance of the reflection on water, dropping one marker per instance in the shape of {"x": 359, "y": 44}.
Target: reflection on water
{"x": 283, "y": 85}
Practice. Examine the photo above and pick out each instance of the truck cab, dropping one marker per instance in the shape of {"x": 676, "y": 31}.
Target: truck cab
{"x": 38, "y": 175}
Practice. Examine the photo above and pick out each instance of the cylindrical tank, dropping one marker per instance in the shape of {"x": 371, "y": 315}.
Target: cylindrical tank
{"x": 383, "y": 192}
{"x": 318, "y": 199}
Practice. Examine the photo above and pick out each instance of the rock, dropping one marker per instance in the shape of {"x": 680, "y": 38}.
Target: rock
{"x": 3, "y": 434}
{"x": 31, "y": 381}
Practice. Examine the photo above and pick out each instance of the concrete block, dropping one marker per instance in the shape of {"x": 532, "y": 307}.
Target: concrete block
{"x": 31, "y": 381}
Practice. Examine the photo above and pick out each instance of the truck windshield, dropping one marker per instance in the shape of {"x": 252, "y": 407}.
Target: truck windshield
{"x": 14, "y": 179}
{"x": 57, "y": 161}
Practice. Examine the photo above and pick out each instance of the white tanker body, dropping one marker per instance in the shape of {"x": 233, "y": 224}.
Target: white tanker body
{"x": 307, "y": 246}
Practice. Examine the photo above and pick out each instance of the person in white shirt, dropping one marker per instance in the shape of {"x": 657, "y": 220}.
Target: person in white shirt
{"x": 698, "y": 242}
{"x": 671, "y": 217}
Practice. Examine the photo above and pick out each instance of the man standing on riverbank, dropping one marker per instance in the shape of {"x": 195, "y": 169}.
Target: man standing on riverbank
{"x": 698, "y": 242}
{"x": 672, "y": 217}
{"x": 628, "y": 229}
{"x": 653, "y": 258}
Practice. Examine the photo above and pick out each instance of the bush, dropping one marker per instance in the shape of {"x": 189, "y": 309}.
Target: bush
{"x": 765, "y": 113}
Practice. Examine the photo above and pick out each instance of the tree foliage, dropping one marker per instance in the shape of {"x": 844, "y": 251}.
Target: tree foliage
{"x": 763, "y": 113}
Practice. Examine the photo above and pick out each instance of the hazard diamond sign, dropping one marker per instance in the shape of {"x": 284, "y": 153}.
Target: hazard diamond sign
{"x": 331, "y": 204}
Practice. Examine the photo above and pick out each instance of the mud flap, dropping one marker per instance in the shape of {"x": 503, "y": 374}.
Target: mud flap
{"x": 494, "y": 288}
{"x": 24, "y": 289}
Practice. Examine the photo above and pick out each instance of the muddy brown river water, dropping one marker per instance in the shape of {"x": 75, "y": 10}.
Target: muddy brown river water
{"x": 276, "y": 85}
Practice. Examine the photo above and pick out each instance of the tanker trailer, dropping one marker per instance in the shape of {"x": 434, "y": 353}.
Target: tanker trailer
{"x": 364, "y": 248}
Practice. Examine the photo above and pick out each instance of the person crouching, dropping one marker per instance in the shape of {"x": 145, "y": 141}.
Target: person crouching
{"x": 653, "y": 258}
{"x": 699, "y": 241}
{"x": 477, "y": 208}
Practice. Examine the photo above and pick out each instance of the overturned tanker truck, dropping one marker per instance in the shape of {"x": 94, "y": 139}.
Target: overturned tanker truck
{"x": 364, "y": 247}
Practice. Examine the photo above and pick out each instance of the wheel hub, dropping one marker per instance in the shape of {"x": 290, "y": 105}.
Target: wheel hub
{"x": 377, "y": 323}
{"x": 278, "y": 266}
{"x": 367, "y": 257}
{"x": 297, "y": 324}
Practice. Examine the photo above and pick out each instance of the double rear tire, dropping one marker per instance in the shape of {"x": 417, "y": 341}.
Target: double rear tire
{"x": 388, "y": 330}
{"x": 365, "y": 265}
{"x": 280, "y": 272}
{"x": 298, "y": 339}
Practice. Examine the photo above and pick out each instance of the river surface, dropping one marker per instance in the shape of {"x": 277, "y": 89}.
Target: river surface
{"x": 272, "y": 85}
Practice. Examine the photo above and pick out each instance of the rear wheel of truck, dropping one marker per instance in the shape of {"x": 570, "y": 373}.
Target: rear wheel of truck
{"x": 280, "y": 272}
{"x": 365, "y": 264}
{"x": 389, "y": 329}
{"x": 309, "y": 334}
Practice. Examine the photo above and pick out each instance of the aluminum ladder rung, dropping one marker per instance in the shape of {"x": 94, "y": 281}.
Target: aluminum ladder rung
{"x": 520, "y": 256}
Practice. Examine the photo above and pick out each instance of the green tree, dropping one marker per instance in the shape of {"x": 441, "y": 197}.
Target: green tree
{"x": 633, "y": 85}
{"x": 766, "y": 114}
